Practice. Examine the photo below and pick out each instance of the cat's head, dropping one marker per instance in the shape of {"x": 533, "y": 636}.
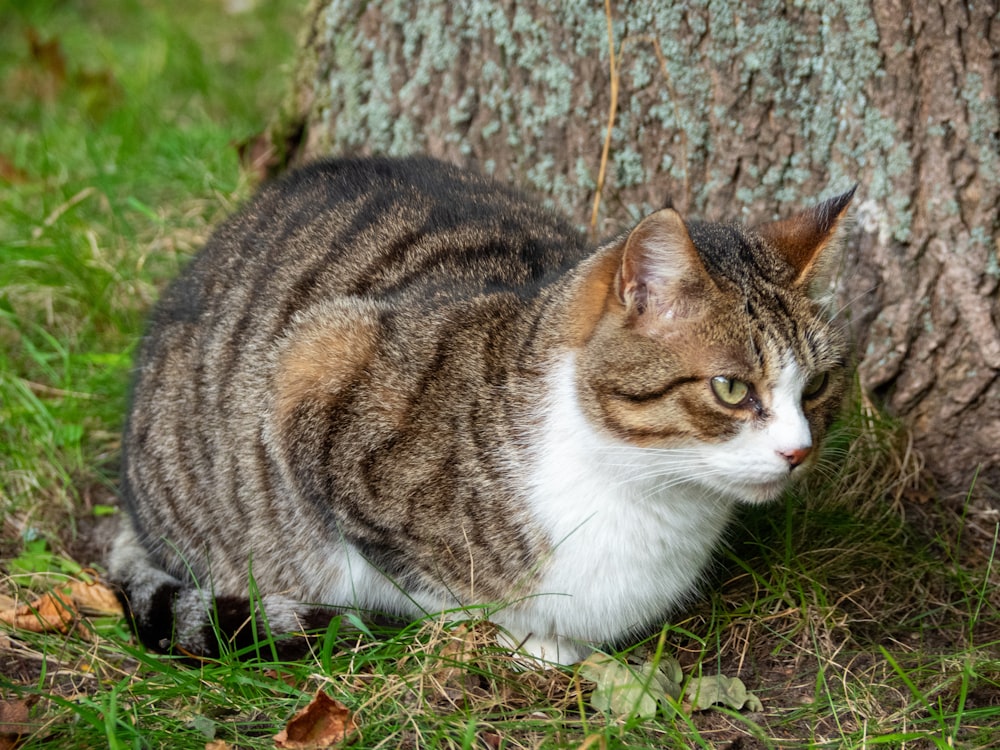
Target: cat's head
{"x": 714, "y": 348}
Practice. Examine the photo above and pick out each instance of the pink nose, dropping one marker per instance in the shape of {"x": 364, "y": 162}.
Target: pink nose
{"x": 796, "y": 456}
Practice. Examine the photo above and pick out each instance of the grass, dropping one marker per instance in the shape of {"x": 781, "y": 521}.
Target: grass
{"x": 855, "y": 626}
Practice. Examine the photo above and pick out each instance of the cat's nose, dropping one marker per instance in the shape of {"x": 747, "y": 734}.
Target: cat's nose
{"x": 796, "y": 456}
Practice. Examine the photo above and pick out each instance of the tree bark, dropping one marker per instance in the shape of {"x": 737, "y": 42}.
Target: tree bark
{"x": 732, "y": 112}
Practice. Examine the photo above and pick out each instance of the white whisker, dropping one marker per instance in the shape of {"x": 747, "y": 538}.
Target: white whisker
{"x": 864, "y": 293}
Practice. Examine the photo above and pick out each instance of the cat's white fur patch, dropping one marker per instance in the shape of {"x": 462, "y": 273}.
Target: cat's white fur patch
{"x": 631, "y": 533}
{"x": 364, "y": 588}
{"x": 634, "y": 528}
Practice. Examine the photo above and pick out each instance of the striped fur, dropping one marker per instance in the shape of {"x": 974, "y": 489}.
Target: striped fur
{"x": 396, "y": 386}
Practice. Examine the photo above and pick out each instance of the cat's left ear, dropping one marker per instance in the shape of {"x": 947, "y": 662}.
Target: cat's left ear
{"x": 661, "y": 271}
{"x": 808, "y": 240}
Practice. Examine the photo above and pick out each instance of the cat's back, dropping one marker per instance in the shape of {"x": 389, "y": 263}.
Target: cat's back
{"x": 375, "y": 227}
{"x": 409, "y": 238}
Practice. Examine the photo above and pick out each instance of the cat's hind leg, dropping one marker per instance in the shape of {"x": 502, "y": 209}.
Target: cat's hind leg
{"x": 171, "y": 616}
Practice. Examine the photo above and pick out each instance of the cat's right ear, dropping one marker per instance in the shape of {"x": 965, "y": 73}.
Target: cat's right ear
{"x": 661, "y": 273}
{"x": 805, "y": 241}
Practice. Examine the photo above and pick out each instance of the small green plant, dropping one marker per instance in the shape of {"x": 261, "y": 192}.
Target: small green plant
{"x": 36, "y": 557}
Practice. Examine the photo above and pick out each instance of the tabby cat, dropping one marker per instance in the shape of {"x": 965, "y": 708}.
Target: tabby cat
{"x": 397, "y": 386}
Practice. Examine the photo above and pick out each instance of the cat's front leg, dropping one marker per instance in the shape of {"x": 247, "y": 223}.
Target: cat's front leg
{"x": 541, "y": 652}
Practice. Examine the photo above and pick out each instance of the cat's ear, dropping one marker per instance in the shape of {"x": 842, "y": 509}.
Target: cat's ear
{"x": 808, "y": 240}
{"x": 661, "y": 272}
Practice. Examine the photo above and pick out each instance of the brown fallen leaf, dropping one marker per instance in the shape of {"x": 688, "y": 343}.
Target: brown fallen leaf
{"x": 94, "y": 597}
{"x": 217, "y": 745}
{"x": 10, "y": 172}
{"x": 492, "y": 740}
{"x": 14, "y": 718}
{"x": 56, "y": 611}
{"x": 47, "y": 613}
{"x": 324, "y": 723}
{"x": 47, "y": 53}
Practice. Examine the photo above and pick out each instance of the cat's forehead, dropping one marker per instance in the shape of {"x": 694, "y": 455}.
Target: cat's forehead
{"x": 736, "y": 254}
{"x": 759, "y": 329}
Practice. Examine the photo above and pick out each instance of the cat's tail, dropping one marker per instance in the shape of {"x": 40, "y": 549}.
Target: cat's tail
{"x": 173, "y": 617}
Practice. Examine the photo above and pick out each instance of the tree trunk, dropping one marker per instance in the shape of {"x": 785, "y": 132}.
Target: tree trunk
{"x": 725, "y": 109}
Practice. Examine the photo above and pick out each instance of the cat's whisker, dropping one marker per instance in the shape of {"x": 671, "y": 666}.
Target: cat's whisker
{"x": 638, "y": 470}
{"x": 637, "y": 467}
{"x": 670, "y": 480}
{"x": 646, "y": 455}
{"x": 843, "y": 308}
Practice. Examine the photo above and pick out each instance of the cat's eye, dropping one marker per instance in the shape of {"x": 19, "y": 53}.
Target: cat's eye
{"x": 816, "y": 385}
{"x": 730, "y": 391}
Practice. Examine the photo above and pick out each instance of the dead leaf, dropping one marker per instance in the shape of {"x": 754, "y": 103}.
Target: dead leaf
{"x": 492, "y": 740}
{"x": 95, "y": 598}
{"x": 47, "y": 613}
{"x": 14, "y": 718}
{"x": 325, "y": 722}
{"x": 463, "y": 644}
{"x": 11, "y": 173}
{"x": 57, "y": 610}
{"x": 217, "y": 745}
{"x": 637, "y": 690}
{"x": 705, "y": 692}
{"x": 628, "y": 690}
{"x": 48, "y": 53}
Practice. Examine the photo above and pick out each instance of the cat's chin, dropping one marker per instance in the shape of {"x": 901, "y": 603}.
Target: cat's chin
{"x": 762, "y": 492}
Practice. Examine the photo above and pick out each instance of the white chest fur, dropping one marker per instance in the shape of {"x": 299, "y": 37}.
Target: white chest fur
{"x": 631, "y": 532}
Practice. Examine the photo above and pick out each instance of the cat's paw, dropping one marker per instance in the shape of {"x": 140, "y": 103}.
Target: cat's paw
{"x": 534, "y": 652}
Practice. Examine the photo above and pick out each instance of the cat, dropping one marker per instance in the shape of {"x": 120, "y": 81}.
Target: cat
{"x": 396, "y": 386}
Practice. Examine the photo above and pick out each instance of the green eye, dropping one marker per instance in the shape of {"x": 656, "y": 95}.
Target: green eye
{"x": 730, "y": 391}
{"x": 816, "y": 385}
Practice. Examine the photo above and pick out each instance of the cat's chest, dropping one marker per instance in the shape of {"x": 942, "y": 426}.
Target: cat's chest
{"x": 649, "y": 536}
{"x": 630, "y": 533}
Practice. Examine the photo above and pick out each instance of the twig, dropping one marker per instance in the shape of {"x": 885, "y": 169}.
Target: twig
{"x": 40, "y": 389}
{"x": 612, "y": 111}
{"x": 53, "y": 217}
{"x": 615, "y": 72}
